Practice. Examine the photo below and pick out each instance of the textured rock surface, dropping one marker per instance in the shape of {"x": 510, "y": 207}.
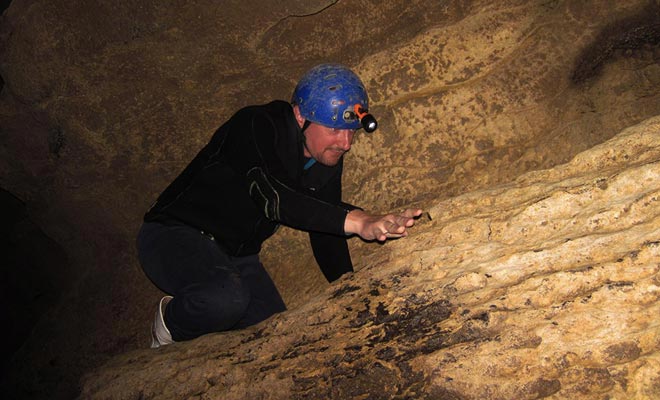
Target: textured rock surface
{"x": 548, "y": 286}
{"x": 105, "y": 102}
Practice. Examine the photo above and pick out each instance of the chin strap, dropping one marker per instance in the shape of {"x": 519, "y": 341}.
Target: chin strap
{"x": 311, "y": 161}
{"x": 306, "y": 125}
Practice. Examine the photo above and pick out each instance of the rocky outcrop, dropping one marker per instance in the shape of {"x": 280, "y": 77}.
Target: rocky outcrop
{"x": 548, "y": 286}
{"x": 104, "y": 103}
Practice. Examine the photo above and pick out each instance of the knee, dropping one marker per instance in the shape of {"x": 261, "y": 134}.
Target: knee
{"x": 218, "y": 306}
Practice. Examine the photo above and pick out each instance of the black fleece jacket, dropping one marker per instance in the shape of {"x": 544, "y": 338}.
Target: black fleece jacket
{"x": 249, "y": 179}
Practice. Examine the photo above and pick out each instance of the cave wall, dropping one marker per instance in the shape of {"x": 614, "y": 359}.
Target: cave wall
{"x": 546, "y": 287}
{"x": 105, "y": 102}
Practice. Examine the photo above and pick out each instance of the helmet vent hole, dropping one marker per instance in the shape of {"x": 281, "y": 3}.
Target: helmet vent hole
{"x": 333, "y": 88}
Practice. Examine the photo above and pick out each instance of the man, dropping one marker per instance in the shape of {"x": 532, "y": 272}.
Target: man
{"x": 279, "y": 163}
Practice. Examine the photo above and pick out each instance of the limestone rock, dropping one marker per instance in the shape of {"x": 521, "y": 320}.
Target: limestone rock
{"x": 546, "y": 287}
{"x": 104, "y": 102}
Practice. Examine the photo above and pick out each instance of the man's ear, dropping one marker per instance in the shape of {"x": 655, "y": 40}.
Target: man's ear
{"x": 299, "y": 117}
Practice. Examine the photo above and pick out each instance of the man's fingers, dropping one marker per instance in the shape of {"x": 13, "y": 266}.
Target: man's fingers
{"x": 397, "y": 227}
{"x": 383, "y": 227}
{"x": 411, "y": 212}
{"x": 394, "y": 230}
{"x": 403, "y": 221}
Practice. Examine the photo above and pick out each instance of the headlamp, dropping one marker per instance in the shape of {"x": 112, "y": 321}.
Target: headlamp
{"x": 367, "y": 120}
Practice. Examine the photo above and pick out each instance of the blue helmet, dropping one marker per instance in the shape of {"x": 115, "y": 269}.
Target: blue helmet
{"x": 333, "y": 96}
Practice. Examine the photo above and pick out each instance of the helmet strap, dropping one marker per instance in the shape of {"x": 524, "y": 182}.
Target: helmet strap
{"x": 306, "y": 125}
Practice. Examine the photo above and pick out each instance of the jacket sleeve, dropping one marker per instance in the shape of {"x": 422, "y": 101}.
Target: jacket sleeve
{"x": 331, "y": 254}
{"x": 256, "y": 158}
{"x": 331, "y": 251}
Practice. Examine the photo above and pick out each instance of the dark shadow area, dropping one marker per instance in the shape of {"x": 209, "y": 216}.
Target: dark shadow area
{"x": 33, "y": 277}
{"x": 4, "y": 4}
{"x": 632, "y": 33}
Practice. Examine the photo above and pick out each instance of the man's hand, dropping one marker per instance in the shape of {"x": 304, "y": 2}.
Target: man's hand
{"x": 380, "y": 227}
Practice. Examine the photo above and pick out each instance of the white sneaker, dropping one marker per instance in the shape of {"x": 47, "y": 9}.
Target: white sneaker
{"x": 160, "y": 335}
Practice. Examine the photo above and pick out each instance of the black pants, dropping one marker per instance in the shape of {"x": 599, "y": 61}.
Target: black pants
{"x": 212, "y": 290}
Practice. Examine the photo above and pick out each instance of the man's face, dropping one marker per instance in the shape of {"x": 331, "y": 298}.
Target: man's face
{"x": 325, "y": 145}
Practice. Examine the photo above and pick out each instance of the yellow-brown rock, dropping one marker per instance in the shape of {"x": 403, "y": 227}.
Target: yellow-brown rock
{"x": 545, "y": 287}
{"x": 534, "y": 273}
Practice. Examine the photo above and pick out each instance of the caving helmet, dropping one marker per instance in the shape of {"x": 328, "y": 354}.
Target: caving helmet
{"x": 332, "y": 95}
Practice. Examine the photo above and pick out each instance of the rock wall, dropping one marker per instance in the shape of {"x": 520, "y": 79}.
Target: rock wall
{"x": 545, "y": 287}
{"x": 104, "y": 102}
